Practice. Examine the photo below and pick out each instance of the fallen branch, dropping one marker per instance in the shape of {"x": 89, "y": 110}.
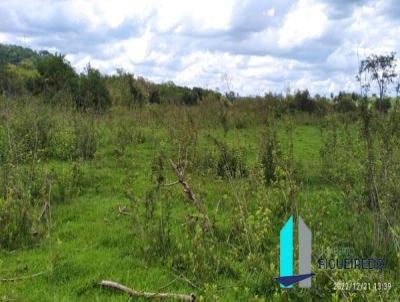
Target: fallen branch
{"x": 171, "y": 184}
{"x": 22, "y": 278}
{"x": 132, "y": 292}
{"x": 179, "y": 171}
{"x": 122, "y": 211}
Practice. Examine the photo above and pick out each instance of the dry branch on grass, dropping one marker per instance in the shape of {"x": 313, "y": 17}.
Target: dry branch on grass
{"x": 22, "y": 277}
{"x": 147, "y": 295}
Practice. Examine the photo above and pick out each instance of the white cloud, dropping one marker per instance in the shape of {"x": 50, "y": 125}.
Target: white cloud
{"x": 261, "y": 45}
{"x": 4, "y": 38}
{"x": 306, "y": 20}
{"x": 202, "y": 15}
{"x": 270, "y": 12}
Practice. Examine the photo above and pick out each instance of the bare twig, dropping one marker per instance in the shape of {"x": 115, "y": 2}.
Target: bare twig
{"x": 132, "y": 292}
{"x": 179, "y": 171}
{"x": 171, "y": 184}
{"x": 184, "y": 278}
{"x": 22, "y": 277}
{"x": 44, "y": 210}
{"x": 168, "y": 284}
{"x": 47, "y": 204}
{"x": 122, "y": 210}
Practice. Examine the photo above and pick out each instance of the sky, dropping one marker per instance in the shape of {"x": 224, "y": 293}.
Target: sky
{"x": 249, "y": 46}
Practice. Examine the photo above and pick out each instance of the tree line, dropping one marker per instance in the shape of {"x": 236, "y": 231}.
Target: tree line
{"x": 26, "y": 72}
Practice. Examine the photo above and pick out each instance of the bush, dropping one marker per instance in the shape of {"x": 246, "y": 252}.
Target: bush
{"x": 27, "y": 129}
{"x": 85, "y": 137}
{"x": 190, "y": 98}
{"x": 126, "y": 90}
{"x": 67, "y": 182}
{"x": 92, "y": 91}
{"x": 137, "y": 93}
{"x": 17, "y": 80}
{"x": 383, "y": 105}
{"x": 270, "y": 152}
{"x": 17, "y": 222}
{"x": 303, "y": 101}
{"x": 56, "y": 75}
{"x": 231, "y": 163}
{"x": 345, "y": 102}
{"x": 154, "y": 97}
{"x": 22, "y": 214}
{"x": 62, "y": 137}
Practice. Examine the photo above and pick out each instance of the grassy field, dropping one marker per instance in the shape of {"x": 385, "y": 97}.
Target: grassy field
{"x": 118, "y": 220}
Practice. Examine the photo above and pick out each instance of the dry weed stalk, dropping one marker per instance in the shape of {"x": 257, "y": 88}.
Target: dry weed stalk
{"x": 179, "y": 169}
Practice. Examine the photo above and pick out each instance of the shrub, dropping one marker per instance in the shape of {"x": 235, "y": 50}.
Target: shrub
{"x": 345, "y": 102}
{"x": 67, "y": 181}
{"x": 190, "y": 98}
{"x": 304, "y": 102}
{"x": 85, "y": 136}
{"x": 22, "y": 211}
{"x": 383, "y": 105}
{"x": 18, "y": 80}
{"x": 56, "y": 75}
{"x": 62, "y": 137}
{"x": 231, "y": 162}
{"x": 28, "y": 130}
{"x": 127, "y": 89}
{"x": 154, "y": 226}
{"x": 270, "y": 152}
{"x": 154, "y": 97}
{"x": 92, "y": 91}
{"x": 137, "y": 92}
{"x": 17, "y": 222}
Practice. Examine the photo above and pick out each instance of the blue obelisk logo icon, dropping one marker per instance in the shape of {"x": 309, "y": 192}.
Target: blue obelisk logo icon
{"x": 286, "y": 260}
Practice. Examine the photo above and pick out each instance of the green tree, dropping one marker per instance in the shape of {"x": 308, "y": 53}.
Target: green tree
{"x": 345, "y": 102}
{"x": 56, "y": 76}
{"x": 190, "y": 97}
{"x": 380, "y": 69}
{"x": 17, "y": 80}
{"x": 12, "y": 54}
{"x": 303, "y": 101}
{"x": 137, "y": 92}
{"x": 154, "y": 96}
{"x": 93, "y": 92}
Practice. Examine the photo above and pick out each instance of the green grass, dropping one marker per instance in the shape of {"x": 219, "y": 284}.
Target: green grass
{"x": 89, "y": 241}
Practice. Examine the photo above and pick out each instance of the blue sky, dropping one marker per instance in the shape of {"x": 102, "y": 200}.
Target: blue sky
{"x": 249, "y": 46}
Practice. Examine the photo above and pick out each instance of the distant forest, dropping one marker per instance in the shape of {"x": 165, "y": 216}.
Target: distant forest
{"x": 51, "y": 77}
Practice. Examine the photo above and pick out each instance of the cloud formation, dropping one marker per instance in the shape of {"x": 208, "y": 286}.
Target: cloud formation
{"x": 261, "y": 45}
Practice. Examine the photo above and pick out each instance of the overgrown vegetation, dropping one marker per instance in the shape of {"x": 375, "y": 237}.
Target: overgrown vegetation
{"x": 116, "y": 177}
